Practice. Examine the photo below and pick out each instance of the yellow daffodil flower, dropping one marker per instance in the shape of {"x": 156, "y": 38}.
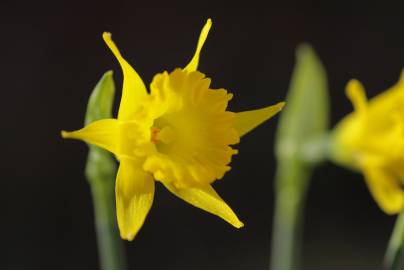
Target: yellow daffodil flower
{"x": 371, "y": 140}
{"x": 179, "y": 134}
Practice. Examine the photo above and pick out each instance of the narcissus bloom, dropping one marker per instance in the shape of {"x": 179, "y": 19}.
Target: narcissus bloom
{"x": 179, "y": 134}
{"x": 371, "y": 140}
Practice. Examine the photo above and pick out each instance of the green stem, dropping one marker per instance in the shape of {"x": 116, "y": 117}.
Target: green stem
{"x": 395, "y": 249}
{"x": 102, "y": 179}
{"x": 291, "y": 185}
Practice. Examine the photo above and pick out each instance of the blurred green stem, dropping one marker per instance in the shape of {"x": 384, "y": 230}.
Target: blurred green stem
{"x": 301, "y": 145}
{"x": 288, "y": 215}
{"x": 110, "y": 246}
{"x": 395, "y": 250}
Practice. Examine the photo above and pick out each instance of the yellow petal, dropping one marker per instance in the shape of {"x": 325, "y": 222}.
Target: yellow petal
{"x": 103, "y": 133}
{"x": 133, "y": 87}
{"x": 248, "y": 120}
{"x": 385, "y": 189}
{"x": 134, "y": 197}
{"x": 193, "y": 64}
{"x": 356, "y": 93}
{"x": 381, "y": 104}
{"x": 206, "y": 199}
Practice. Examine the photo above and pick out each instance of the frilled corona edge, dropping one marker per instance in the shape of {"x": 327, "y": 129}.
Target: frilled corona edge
{"x": 180, "y": 134}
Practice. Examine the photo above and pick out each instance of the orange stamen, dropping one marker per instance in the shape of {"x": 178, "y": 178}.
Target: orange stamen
{"x": 154, "y": 133}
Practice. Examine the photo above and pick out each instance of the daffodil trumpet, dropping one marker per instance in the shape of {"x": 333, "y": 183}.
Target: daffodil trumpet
{"x": 371, "y": 140}
{"x": 179, "y": 133}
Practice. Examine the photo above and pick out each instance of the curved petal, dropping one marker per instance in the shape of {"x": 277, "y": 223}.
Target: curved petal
{"x": 134, "y": 197}
{"x": 103, "y": 133}
{"x": 356, "y": 94}
{"x": 133, "y": 87}
{"x": 193, "y": 64}
{"x": 206, "y": 199}
{"x": 386, "y": 190}
{"x": 248, "y": 120}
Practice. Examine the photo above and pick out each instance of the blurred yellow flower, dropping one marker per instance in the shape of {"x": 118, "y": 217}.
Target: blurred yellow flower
{"x": 179, "y": 134}
{"x": 371, "y": 139}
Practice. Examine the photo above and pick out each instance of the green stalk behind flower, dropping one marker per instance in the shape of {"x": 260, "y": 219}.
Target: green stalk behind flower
{"x": 301, "y": 144}
{"x": 100, "y": 173}
{"x": 395, "y": 250}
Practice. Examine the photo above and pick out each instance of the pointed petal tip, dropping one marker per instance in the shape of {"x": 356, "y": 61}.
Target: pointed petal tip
{"x": 70, "y": 134}
{"x": 390, "y": 209}
{"x": 106, "y": 36}
{"x": 193, "y": 64}
{"x": 391, "y": 212}
{"x": 353, "y": 83}
{"x": 281, "y": 105}
{"x": 206, "y": 198}
{"x": 239, "y": 225}
{"x": 128, "y": 236}
{"x": 248, "y": 120}
{"x": 355, "y": 92}
{"x": 65, "y": 134}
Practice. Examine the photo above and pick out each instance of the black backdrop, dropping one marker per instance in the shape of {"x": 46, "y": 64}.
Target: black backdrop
{"x": 52, "y": 54}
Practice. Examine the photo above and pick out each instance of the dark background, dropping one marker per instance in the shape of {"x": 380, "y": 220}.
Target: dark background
{"x": 52, "y": 55}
